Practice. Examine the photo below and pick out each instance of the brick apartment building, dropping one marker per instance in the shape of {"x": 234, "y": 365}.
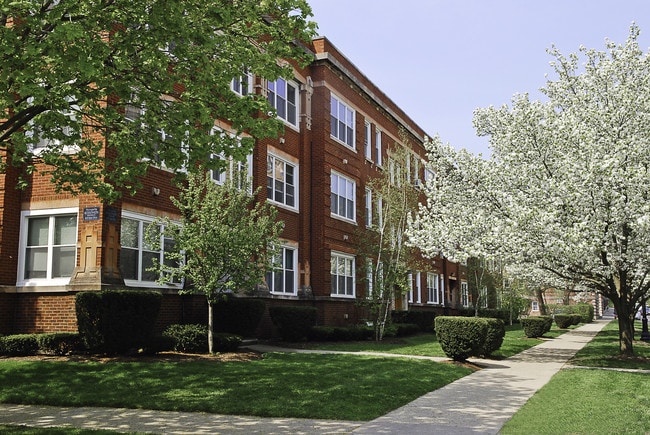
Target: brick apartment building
{"x": 338, "y": 129}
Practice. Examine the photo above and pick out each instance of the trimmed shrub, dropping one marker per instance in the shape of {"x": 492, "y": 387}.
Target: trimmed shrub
{"x": 188, "y": 338}
{"x": 576, "y": 319}
{"x": 549, "y": 323}
{"x": 586, "y": 311}
{"x": 225, "y": 342}
{"x": 19, "y": 345}
{"x": 534, "y": 326}
{"x": 461, "y": 337}
{"x": 117, "y": 321}
{"x": 488, "y": 313}
{"x": 424, "y": 319}
{"x": 59, "y": 343}
{"x": 496, "y": 332}
{"x": 340, "y": 333}
{"x": 293, "y": 323}
{"x": 563, "y": 321}
{"x": 238, "y": 316}
{"x": 406, "y": 329}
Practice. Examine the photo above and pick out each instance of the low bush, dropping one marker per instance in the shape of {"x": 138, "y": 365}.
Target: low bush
{"x": 340, "y": 333}
{"x": 586, "y": 311}
{"x": 576, "y": 319}
{"x": 549, "y": 323}
{"x": 488, "y": 313}
{"x": 19, "y": 345}
{"x": 225, "y": 342}
{"x": 534, "y": 327}
{"x": 59, "y": 343}
{"x": 495, "y": 333}
{"x": 117, "y": 321}
{"x": 424, "y": 319}
{"x": 188, "y": 338}
{"x": 563, "y": 321}
{"x": 461, "y": 337}
{"x": 406, "y": 329}
{"x": 293, "y": 323}
{"x": 238, "y": 316}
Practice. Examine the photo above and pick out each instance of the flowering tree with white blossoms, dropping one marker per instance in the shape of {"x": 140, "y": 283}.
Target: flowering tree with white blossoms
{"x": 567, "y": 187}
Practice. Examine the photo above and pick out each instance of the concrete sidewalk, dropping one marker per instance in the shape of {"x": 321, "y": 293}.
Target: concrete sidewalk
{"x": 479, "y": 403}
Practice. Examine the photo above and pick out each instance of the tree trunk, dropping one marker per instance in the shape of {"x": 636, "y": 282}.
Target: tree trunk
{"x": 210, "y": 329}
{"x": 539, "y": 294}
{"x": 625, "y": 327}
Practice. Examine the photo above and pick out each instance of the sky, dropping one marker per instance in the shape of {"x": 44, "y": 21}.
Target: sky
{"x": 439, "y": 60}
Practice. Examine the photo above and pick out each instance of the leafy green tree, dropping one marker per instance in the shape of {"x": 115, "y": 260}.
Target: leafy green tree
{"x": 224, "y": 242}
{"x": 566, "y": 189}
{"x": 383, "y": 244}
{"x": 102, "y": 89}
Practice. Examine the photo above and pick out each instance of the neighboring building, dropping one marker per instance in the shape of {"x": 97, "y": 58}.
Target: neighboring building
{"x": 338, "y": 129}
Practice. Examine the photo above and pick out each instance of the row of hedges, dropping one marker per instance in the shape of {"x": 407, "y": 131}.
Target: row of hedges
{"x": 461, "y": 337}
{"x": 536, "y": 326}
{"x": 424, "y": 319}
{"x": 490, "y": 313}
{"x": 192, "y": 338}
{"x": 59, "y": 343}
{"x": 585, "y": 311}
{"x": 563, "y": 321}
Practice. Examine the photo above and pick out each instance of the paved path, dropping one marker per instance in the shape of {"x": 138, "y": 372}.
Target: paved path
{"x": 479, "y": 403}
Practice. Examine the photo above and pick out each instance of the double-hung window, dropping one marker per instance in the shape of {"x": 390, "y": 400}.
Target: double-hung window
{"x": 464, "y": 294}
{"x": 237, "y": 172}
{"x": 342, "y": 274}
{"x": 343, "y": 196}
{"x": 138, "y": 257}
{"x": 48, "y": 246}
{"x": 61, "y": 126}
{"x": 283, "y": 277}
{"x": 242, "y": 85}
{"x": 378, "y": 148}
{"x": 367, "y": 141}
{"x": 281, "y": 181}
{"x": 368, "y": 207}
{"x": 283, "y": 97}
{"x": 432, "y": 288}
{"x": 342, "y": 121}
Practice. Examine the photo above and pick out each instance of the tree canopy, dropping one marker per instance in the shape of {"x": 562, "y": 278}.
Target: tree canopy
{"x": 566, "y": 189}
{"x": 147, "y": 77}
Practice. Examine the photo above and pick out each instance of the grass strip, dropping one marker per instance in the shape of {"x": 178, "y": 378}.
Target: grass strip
{"x": 603, "y": 351}
{"x": 339, "y": 387}
{"x": 585, "y": 401}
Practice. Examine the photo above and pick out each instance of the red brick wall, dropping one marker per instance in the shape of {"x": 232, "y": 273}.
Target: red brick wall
{"x": 39, "y": 313}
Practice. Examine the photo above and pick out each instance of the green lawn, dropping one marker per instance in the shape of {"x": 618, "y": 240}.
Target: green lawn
{"x": 584, "y": 401}
{"x": 592, "y": 401}
{"x": 339, "y": 387}
{"x": 514, "y": 342}
{"x": 603, "y": 351}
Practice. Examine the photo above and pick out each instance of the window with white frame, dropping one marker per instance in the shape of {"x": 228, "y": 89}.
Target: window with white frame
{"x": 464, "y": 294}
{"x": 62, "y": 127}
{"x": 534, "y": 306}
{"x": 432, "y": 288}
{"x": 283, "y": 96}
{"x": 395, "y": 169}
{"x": 48, "y": 246}
{"x": 380, "y": 211}
{"x": 367, "y": 141}
{"x": 418, "y": 287}
{"x": 368, "y": 207}
{"x": 411, "y": 287}
{"x": 239, "y": 173}
{"x": 283, "y": 277}
{"x": 342, "y": 121}
{"x": 378, "y": 147}
{"x": 343, "y": 196}
{"x": 342, "y": 274}
{"x": 242, "y": 85}
{"x": 281, "y": 181}
{"x": 137, "y": 256}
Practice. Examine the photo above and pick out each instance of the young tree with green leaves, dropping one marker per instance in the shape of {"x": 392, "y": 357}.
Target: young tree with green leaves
{"x": 566, "y": 188}
{"x": 387, "y": 257}
{"x": 224, "y": 242}
{"x": 99, "y": 90}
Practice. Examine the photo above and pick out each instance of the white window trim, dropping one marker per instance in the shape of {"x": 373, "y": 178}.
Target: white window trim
{"x": 294, "y": 291}
{"x": 368, "y": 208}
{"x": 418, "y": 286}
{"x": 296, "y": 183}
{"x": 435, "y": 280}
{"x": 336, "y": 254}
{"x": 464, "y": 294}
{"x": 367, "y": 138}
{"x": 378, "y": 147}
{"x": 22, "y": 247}
{"x": 140, "y": 283}
{"x": 238, "y": 80}
{"x": 296, "y": 86}
{"x": 340, "y": 102}
{"x": 354, "y": 199}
